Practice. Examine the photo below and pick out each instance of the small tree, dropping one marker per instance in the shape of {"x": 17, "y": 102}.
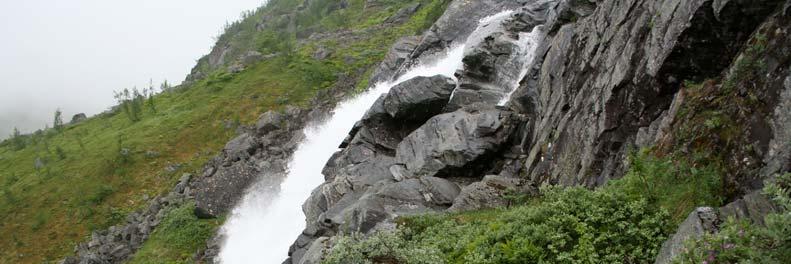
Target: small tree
{"x": 131, "y": 103}
{"x": 60, "y": 152}
{"x": 150, "y": 101}
{"x": 165, "y": 86}
{"x": 17, "y": 141}
{"x": 57, "y": 123}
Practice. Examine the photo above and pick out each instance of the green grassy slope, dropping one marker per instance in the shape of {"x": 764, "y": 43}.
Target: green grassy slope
{"x": 86, "y": 184}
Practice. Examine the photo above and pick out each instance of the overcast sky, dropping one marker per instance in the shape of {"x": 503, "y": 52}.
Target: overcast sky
{"x": 72, "y": 54}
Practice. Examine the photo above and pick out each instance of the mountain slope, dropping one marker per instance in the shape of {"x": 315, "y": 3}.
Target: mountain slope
{"x": 92, "y": 174}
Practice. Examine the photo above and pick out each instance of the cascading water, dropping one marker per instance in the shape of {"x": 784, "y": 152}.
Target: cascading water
{"x": 262, "y": 234}
{"x": 262, "y": 227}
{"x": 528, "y": 44}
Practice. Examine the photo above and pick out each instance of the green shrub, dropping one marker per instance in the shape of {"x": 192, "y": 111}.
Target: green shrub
{"x": 179, "y": 236}
{"x": 672, "y": 183}
{"x": 99, "y": 195}
{"x": 571, "y": 225}
{"x": 742, "y": 242}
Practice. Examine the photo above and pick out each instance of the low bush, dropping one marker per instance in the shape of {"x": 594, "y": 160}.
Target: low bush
{"x": 676, "y": 183}
{"x": 742, "y": 242}
{"x": 566, "y": 225}
{"x": 177, "y": 238}
{"x": 624, "y": 222}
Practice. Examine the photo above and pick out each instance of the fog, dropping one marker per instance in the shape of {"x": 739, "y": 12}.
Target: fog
{"x": 73, "y": 54}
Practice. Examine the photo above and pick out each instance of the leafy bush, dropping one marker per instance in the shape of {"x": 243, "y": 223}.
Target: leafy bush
{"x": 741, "y": 242}
{"x": 673, "y": 183}
{"x": 571, "y": 225}
{"x": 623, "y": 222}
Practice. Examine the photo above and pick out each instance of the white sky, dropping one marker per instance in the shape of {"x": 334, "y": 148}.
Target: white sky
{"x": 72, "y": 54}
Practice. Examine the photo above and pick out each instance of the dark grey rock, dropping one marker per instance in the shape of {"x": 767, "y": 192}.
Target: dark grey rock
{"x": 452, "y": 144}
{"x": 701, "y": 221}
{"x": 598, "y": 84}
{"x": 240, "y": 148}
{"x": 419, "y": 98}
{"x": 268, "y": 122}
{"x": 490, "y": 193}
{"x": 395, "y": 59}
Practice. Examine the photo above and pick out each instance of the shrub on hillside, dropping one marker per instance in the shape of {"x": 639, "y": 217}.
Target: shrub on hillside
{"x": 567, "y": 225}
{"x": 742, "y": 242}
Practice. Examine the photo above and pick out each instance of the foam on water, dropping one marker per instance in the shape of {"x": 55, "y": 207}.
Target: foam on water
{"x": 264, "y": 224}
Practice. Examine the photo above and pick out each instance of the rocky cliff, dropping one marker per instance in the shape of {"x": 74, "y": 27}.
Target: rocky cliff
{"x": 610, "y": 76}
{"x": 551, "y": 92}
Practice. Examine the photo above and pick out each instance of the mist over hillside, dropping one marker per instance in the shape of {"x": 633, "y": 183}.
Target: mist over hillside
{"x": 72, "y": 55}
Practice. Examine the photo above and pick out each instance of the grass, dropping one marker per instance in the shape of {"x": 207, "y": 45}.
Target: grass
{"x": 676, "y": 183}
{"x": 85, "y": 183}
{"x": 178, "y": 237}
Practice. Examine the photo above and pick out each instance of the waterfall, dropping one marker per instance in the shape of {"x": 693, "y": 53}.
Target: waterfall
{"x": 263, "y": 226}
{"x": 528, "y": 44}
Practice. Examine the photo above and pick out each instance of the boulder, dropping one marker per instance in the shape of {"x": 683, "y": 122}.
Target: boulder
{"x": 490, "y": 193}
{"x": 382, "y": 203}
{"x": 218, "y": 194}
{"x": 268, "y": 122}
{"x": 454, "y": 144}
{"x": 701, "y": 221}
{"x": 240, "y": 148}
{"x": 419, "y": 99}
{"x": 752, "y": 207}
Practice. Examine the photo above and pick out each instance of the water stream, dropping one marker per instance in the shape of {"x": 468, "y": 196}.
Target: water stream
{"x": 263, "y": 226}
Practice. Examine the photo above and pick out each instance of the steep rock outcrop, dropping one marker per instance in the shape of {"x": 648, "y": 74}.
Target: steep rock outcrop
{"x": 258, "y": 155}
{"x": 614, "y": 71}
{"x": 454, "y": 144}
{"x": 419, "y": 98}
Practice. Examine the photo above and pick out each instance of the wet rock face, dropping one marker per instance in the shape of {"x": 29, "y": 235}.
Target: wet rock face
{"x": 614, "y": 71}
{"x": 362, "y": 193}
{"x": 453, "y": 144}
{"x": 395, "y": 58}
{"x": 418, "y": 99}
{"x": 258, "y": 155}
{"x": 494, "y": 66}
{"x": 458, "y": 21}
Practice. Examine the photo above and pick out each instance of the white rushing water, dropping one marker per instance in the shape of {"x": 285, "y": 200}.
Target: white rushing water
{"x": 263, "y": 226}
{"x": 528, "y": 44}
{"x": 260, "y": 230}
